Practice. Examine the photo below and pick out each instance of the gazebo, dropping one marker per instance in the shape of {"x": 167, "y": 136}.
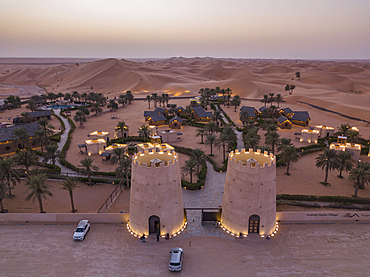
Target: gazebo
{"x": 99, "y": 135}
{"x": 95, "y": 146}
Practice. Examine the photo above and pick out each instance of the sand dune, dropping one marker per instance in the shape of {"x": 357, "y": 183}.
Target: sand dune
{"x": 341, "y": 85}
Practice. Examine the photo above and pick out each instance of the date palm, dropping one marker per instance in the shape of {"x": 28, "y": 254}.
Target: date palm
{"x": 200, "y": 133}
{"x": 87, "y": 167}
{"x": 8, "y": 173}
{"x": 41, "y": 138}
{"x": 118, "y": 155}
{"x": 188, "y": 168}
{"x": 278, "y": 99}
{"x": 353, "y": 136}
{"x": 284, "y": 142}
{"x": 4, "y": 194}
{"x": 80, "y": 117}
{"x": 272, "y": 138}
{"x": 289, "y": 155}
{"x": 38, "y": 189}
{"x": 344, "y": 162}
{"x": 121, "y": 126}
{"x": 31, "y": 105}
{"x": 198, "y": 156}
{"x": 26, "y": 158}
{"x": 25, "y": 117}
{"x": 360, "y": 175}
{"x": 327, "y": 160}
{"x": 148, "y": 99}
{"x": 343, "y": 129}
{"x": 154, "y": 99}
{"x": 112, "y": 105}
{"x": 95, "y": 108}
{"x": 236, "y": 102}
{"x": 122, "y": 99}
{"x": 69, "y": 185}
{"x": 129, "y": 96}
{"x": 20, "y": 136}
{"x": 265, "y": 99}
{"x": 46, "y": 126}
{"x": 210, "y": 140}
{"x": 211, "y": 127}
{"x": 144, "y": 131}
{"x": 221, "y": 141}
{"x": 52, "y": 154}
{"x": 123, "y": 170}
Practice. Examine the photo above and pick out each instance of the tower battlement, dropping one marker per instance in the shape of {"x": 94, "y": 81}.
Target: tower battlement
{"x": 155, "y": 159}
{"x": 252, "y": 159}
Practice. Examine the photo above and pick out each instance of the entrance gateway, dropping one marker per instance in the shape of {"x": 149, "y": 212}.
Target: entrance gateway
{"x": 154, "y": 225}
{"x": 254, "y": 224}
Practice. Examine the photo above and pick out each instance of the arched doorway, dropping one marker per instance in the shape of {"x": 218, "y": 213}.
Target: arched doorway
{"x": 254, "y": 224}
{"x": 154, "y": 225}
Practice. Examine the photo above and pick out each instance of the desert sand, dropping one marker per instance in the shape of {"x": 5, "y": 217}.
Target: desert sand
{"x": 340, "y": 86}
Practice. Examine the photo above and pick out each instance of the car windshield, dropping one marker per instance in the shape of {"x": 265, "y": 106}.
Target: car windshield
{"x": 174, "y": 264}
{"x": 79, "y": 229}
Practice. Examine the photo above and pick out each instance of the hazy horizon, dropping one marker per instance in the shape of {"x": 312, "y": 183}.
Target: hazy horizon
{"x": 144, "y": 29}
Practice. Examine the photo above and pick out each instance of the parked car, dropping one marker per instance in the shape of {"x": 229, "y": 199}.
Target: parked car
{"x": 82, "y": 228}
{"x": 176, "y": 257}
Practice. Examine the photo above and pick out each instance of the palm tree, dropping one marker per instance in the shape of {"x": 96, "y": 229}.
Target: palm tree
{"x": 84, "y": 96}
{"x": 284, "y": 142}
{"x": 244, "y": 115}
{"x": 344, "y": 162}
{"x": 200, "y": 132}
{"x": 148, "y": 99}
{"x": 69, "y": 185}
{"x": 80, "y": 117}
{"x": 271, "y": 98}
{"x": 328, "y": 160}
{"x": 236, "y": 102}
{"x": 228, "y": 91}
{"x": 112, "y": 105}
{"x": 60, "y": 95}
{"x": 31, "y": 105}
{"x": 272, "y": 138}
{"x": 75, "y": 95}
{"x": 198, "y": 156}
{"x": 229, "y": 134}
{"x": 25, "y": 117}
{"x": 298, "y": 75}
{"x": 144, "y": 131}
{"x": 87, "y": 167}
{"x": 26, "y": 158}
{"x": 216, "y": 116}
{"x": 4, "y": 194}
{"x": 40, "y": 137}
{"x": 221, "y": 142}
{"x": 211, "y": 127}
{"x": 129, "y": 96}
{"x": 121, "y": 126}
{"x": 188, "y": 168}
{"x": 287, "y": 88}
{"x": 38, "y": 189}
{"x": 289, "y": 155}
{"x": 360, "y": 175}
{"x": 252, "y": 138}
{"x": 46, "y": 126}
{"x": 123, "y": 170}
{"x": 52, "y": 154}
{"x": 265, "y": 99}
{"x": 343, "y": 129}
{"x": 122, "y": 99}
{"x": 85, "y": 110}
{"x": 291, "y": 88}
{"x": 21, "y": 137}
{"x": 154, "y": 99}
{"x": 8, "y": 173}
{"x": 210, "y": 139}
{"x": 118, "y": 155}
{"x": 96, "y": 108}
{"x": 278, "y": 99}
{"x": 353, "y": 136}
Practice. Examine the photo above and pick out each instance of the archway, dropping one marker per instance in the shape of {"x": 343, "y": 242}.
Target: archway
{"x": 254, "y": 224}
{"x": 154, "y": 225}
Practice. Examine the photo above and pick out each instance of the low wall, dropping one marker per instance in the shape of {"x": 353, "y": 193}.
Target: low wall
{"x": 323, "y": 215}
{"x": 64, "y": 217}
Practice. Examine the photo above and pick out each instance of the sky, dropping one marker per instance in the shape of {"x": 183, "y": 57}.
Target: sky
{"x": 280, "y": 29}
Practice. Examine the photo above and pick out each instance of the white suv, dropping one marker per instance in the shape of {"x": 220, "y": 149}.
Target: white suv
{"x": 177, "y": 255}
{"x": 82, "y": 229}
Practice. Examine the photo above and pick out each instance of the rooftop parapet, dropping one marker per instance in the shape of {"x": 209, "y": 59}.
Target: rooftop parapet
{"x": 252, "y": 159}
{"x": 154, "y": 158}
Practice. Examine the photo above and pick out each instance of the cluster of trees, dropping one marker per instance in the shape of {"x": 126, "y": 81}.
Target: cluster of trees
{"x": 330, "y": 159}
{"x": 209, "y": 93}
{"x": 155, "y": 98}
{"x": 289, "y": 88}
{"x": 193, "y": 164}
{"x": 13, "y": 100}
{"x": 271, "y": 98}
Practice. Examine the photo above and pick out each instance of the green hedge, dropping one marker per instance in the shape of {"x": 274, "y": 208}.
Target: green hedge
{"x": 69, "y": 165}
{"x": 55, "y": 138}
{"x": 336, "y": 199}
{"x": 95, "y": 180}
{"x": 61, "y": 122}
{"x": 203, "y": 172}
{"x": 225, "y": 114}
{"x": 128, "y": 139}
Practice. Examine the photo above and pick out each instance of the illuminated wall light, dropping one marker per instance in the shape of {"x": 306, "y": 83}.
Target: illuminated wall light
{"x": 272, "y": 235}
{"x": 228, "y": 232}
{"x": 232, "y": 234}
{"x": 175, "y": 235}
{"x": 262, "y": 236}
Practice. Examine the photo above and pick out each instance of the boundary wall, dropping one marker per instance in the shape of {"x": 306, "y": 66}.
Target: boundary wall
{"x": 347, "y": 215}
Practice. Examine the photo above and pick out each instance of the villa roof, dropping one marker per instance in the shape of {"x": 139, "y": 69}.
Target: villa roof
{"x": 176, "y": 118}
{"x": 250, "y": 110}
{"x": 262, "y": 108}
{"x": 179, "y": 108}
{"x": 157, "y": 117}
{"x": 200, "y": 112}
{"x": 301, "y": 116}
{"x": 160, "y": 110}
{"x": 39, "y": 114}
{"x": 149, "y": 113}
{"x": 281, "y": 119}
{"x": 6, "y": 133}
{"x": 286, "y": 110}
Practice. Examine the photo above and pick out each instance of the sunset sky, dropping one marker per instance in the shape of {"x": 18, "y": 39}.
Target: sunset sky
{"x": 293, "y": 29}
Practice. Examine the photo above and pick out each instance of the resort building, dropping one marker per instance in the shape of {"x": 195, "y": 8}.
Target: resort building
{"x": 195, "y": 101}
{"x": 200, "y": 114}
{"x": 260, "y": 110}
{"x": 287, "y": 112}
{"x": 156, "y": 205}
{"x": 301, "y": 118}
{"x": 95, "y": 146}
{"x": 284, "y": 123}
{"x": 325, "y": 131}
{"x": 309, "y": 135}
{"x": 153, "y": 130}
{"x": 99, "y": 135}
{"x": 118, "y": 133}
{"x": 33, "y": 116}
{"x": 343, "y": 145}
{"x": 6, "y": 137}
{"x": 249, "y": 200}
{"x": 252, "y": 112}
{"x": 106, "y": 155}
{"x": 157, "y": 119}
{"x": 170, "y": 135}
{"x": 180, "y": 111}
{"x": 176, "y": 122}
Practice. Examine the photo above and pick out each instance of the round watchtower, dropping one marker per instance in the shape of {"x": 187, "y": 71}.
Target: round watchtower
{"x": 156, "y": 205}
{"x": 249, "y": 201}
